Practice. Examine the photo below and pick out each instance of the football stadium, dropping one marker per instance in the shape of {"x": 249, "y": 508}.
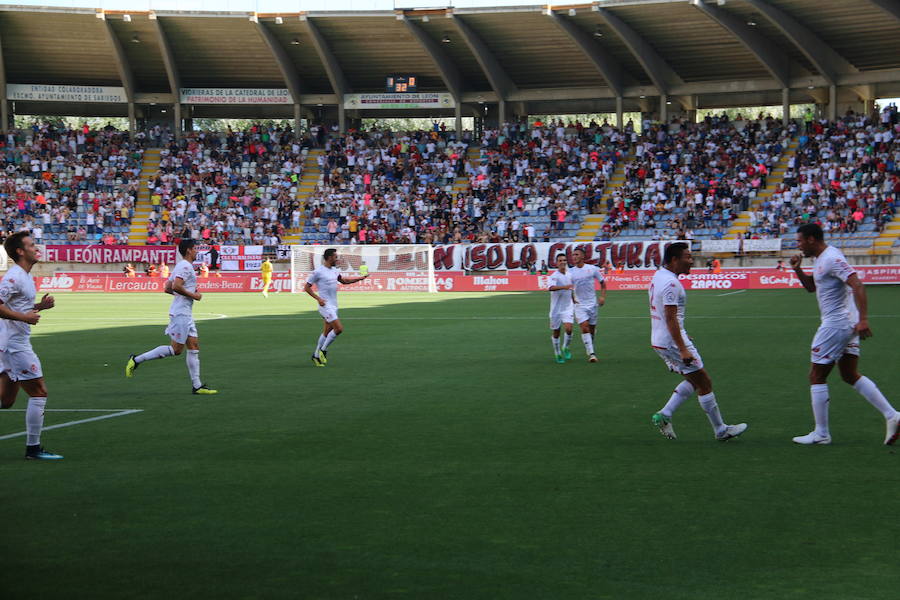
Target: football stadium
{"x": 496, "y": 299}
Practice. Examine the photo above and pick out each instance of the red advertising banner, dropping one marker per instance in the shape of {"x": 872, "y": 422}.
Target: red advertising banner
{"x": 455, "y": 281}
{"x": 110, "y": 254}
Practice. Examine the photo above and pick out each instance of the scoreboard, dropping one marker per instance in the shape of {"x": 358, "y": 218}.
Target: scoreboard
{"x": 401, "y": 84}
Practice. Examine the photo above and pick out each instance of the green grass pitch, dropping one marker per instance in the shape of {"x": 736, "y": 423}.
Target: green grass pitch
{"x": 443, "y": 454}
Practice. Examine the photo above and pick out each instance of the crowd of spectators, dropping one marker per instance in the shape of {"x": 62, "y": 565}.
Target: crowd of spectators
{"x": 69, "y": 184}
{"x": 694, "y": 177}
{"x": 844, "y": 176}
{"x": 230, "y": 187}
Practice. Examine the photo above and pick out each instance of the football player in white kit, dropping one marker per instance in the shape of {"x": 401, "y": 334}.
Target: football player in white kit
{"x": 844, "y": 309}
{"x": 672, "y": 343}
{"x": 586, "y": 302}
{"x": 326, "y": 278}
{"x": 182, "y": 284}
{"x": 21, "y": 366}
{"x": 561, "y": 308}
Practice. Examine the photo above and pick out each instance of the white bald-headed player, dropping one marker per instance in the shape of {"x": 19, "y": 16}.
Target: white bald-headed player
{"x": 559, "y": 283}
{"x": 844, "y": 309}
{"x": 587, "y": 304}
{"x": 672, "y": 343}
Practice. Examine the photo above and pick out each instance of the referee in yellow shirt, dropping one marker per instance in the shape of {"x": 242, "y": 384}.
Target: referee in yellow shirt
{"x": 265, "y": 270}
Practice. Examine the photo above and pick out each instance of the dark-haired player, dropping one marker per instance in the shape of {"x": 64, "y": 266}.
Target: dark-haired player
{"x": 326, "y": 278}
{"x": 845, "y": 319}
{"x": 182, "y": 284}
{"x": 672, "y": 344}
{"x": 21, "y": 366}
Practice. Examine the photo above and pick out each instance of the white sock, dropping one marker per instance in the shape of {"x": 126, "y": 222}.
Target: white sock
{"x": 709, "y": 405}
{"x": 158, "y": 352}
{"x": 684, "y": 391}
{"x": 870, "y": 392}
{"x": 588, "y": 343}
{"x": 567, "y": 340}
{"x": 193, "y": 365}
{"x": 319, "y": 343}
{"x": 328, "y": 339}
{"x": 819, "y": 394}
{"x": 34, "y": 420}
{"x": 555, "y": 345}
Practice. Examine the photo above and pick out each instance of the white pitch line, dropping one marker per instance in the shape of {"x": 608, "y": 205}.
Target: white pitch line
{"x": 121, "y": 413}
{"x": 731, "y": 293}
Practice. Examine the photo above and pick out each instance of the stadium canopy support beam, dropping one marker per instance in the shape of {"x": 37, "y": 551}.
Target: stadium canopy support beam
{"x": 891, "y": 7}
{"x": 663, "y": 109}
{"x": 4, "y": 103}
{"x": 291, "y": 79}
{"x": 660, "y": 73}
{"x": 832, "y": 103}
{"x": 448, "y": 71}
{"x": 501, "y": 83}
{"x": 332, "y": 68}
{"x": 171, "y": 73}
{"x": 620, "y": 114}
{"x": 606, "y": 64}
{"x": 775, "y": 62}
{"x": 125, "y": 73}
{"x": 785, "y": 106}
{"x": 827, "y": 61}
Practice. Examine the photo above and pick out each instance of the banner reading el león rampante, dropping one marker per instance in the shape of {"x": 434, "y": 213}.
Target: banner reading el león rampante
{"x": 110, "y": 254}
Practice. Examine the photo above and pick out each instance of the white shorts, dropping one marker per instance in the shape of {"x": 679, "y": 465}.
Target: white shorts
{"x": 23, "y": 365}
{"x": 831, "y": 343}
{"x": 586, "y": 313}
{"x": 558, "y": 318}
{"x": 4, "y": 367}
{"x": 672, "y": 357}
{"x": 329, "y": 313}
{"x": 180, "y": 328}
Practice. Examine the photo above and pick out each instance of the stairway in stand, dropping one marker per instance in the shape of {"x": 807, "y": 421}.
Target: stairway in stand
{"x": 740, "y": 225}
{"x": 592, "y": 223}
{"x": 137, "y": 234}
{"x": 884, "y": 243}
{"x": 312, "y": 175}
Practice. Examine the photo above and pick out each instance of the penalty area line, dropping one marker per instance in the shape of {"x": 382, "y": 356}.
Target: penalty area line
{"x": 119, "y": 413}
{"x": 732, "y": 293}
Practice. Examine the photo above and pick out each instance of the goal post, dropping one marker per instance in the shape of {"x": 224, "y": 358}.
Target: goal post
{"x": 392, "y": 267}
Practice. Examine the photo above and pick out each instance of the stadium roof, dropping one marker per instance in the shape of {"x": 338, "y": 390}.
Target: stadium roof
{"x": 707, "y": 52}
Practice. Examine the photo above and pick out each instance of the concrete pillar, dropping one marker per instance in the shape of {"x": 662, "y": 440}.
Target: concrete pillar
{"x": 342, "y": 117}
{"x": 501, "y": 113}
{"x": 132, "y": 124}
{"x": 297, "y": 113}
{"x": 620, "y": 113}
{"x": 832, "y": 103}
{"x": 176, "y": 110}
{"x": 785, "y": 106}
{"x": 457, "y": 115}
{"x": 189, "y": 118}
{"x": 663, "y": 109}
{"x": 4, "y": 114}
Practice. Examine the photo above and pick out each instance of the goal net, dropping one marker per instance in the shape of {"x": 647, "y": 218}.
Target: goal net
{"x": 401, "y": 268}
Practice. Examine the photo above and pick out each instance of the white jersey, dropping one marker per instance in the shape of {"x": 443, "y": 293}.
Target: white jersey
{"x": 17, "y": 291}
{"x": 182, "y": 305}
{"x": 583, "y": 280}
{"x": 560, "y": 300}
{"x": 665, "y": 290}
{"x": 836, "y": 303}
{"x": 326, "y": 281}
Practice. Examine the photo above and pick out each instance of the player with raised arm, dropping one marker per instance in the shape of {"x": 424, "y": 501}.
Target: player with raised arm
{"x": 561, "y": 308}
{"x": 326, "y": 278}
{"x": 181, "y": 330}
{"x": 21, "y": 366}
{"x": 583, "y": 276}
{"x": 844, "y": 322}
{"x": 672, "y": 343}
